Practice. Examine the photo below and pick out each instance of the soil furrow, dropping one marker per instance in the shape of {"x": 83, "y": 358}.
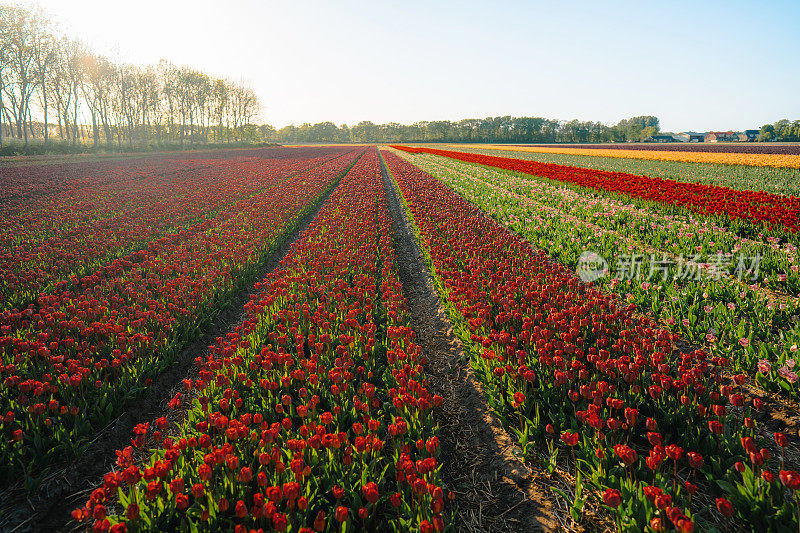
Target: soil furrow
{"x": 494, "y": 489}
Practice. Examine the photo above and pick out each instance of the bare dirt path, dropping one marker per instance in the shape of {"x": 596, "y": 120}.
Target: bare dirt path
{"x": 49, "y": 508}
{"x": 494, "y": 489}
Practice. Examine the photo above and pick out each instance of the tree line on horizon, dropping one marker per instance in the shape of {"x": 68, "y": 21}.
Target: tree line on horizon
{"x": 782, "y": 130}
{"x": 505, "y": 129}
{"x": 54, "y": 86}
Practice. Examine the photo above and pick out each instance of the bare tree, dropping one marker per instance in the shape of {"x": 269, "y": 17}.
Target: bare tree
{"x": 72, "y": 57}
{"x": 167, "y": 72}
{"x": 184, "y": 100}
{"x": 244, "y": 106}
{"x": 150, "y": 96}
{"x": 201, "y": 87}
{"x": 121, "y": 103}
{"x": 22, "y": 26}
{"x": 58, "y": 93}
{"x": 96, "y": 90}
{"x": 219, "y": 103}
{"x": 45, "y": 55}
{"x": 5, "y": 62}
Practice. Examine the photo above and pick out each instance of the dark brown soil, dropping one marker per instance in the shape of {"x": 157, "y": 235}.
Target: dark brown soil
{"x": 494, "y": 489}
{"x": 68, "y": 487}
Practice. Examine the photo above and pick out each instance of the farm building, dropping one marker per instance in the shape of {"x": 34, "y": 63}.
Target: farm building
{"x": 661, "y": 139}
{"x": 721, "y": 136}
{"x": 691, "y": 136}
{"x": 749, "y": 135}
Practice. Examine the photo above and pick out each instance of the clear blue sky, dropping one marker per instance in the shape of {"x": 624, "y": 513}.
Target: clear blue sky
{"x": 696, "y": 65}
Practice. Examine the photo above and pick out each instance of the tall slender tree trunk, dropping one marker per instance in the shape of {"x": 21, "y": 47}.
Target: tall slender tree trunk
{"x": 46, "y": 134}
{"x": 22, "y": 114}
{"x": 95, "y": 129}
{"x": 46, "y": 128}
{"x": 75, "y": 131}
{"x": 19, "y": 122}
{"x": 10, "y": 122}
{"x": 30, "y": 123}
{"x": 1, "y": 110}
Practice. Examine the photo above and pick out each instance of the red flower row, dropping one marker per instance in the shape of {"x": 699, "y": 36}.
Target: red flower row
{"x": 313, "y": 414}
{"x": 754, "y": 206}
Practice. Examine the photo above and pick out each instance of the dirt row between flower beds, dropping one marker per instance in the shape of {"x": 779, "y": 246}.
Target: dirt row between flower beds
{"x": 68, "y": 487}
{"x": 494, "y": 489}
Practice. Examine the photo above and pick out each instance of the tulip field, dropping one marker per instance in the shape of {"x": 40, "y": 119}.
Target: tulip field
{"x": 72, "y": 356}
{"x": 634, "y": 334}
{"x": 704, "y": 163}
{"x": 789, "y": 159}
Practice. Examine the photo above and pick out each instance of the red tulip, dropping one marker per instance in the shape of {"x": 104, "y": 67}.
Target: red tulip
{"x": 626, "y": 454}
{"x": 181, "y": 501}
{"x": 370, "y": 491}
{"x": 241, "y": 509}
{"x": 569, "y": 438}
{"x": 320, "y": 521}
{"x": 395, "y": 499}
{"x": 724, "y": 507}
{"x": 790, "y": 479}
{"x": 612, "y": 498}
{"x": 695, "y": 460}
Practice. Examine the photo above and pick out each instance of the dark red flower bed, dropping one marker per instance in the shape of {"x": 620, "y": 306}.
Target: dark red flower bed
{"x": 70, "y": 360}
{"x": 60, "y": 221}
{"x": 312, "y": 415}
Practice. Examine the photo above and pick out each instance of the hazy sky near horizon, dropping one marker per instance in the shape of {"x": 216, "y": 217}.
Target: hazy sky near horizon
{"x": 696, "y": 65}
